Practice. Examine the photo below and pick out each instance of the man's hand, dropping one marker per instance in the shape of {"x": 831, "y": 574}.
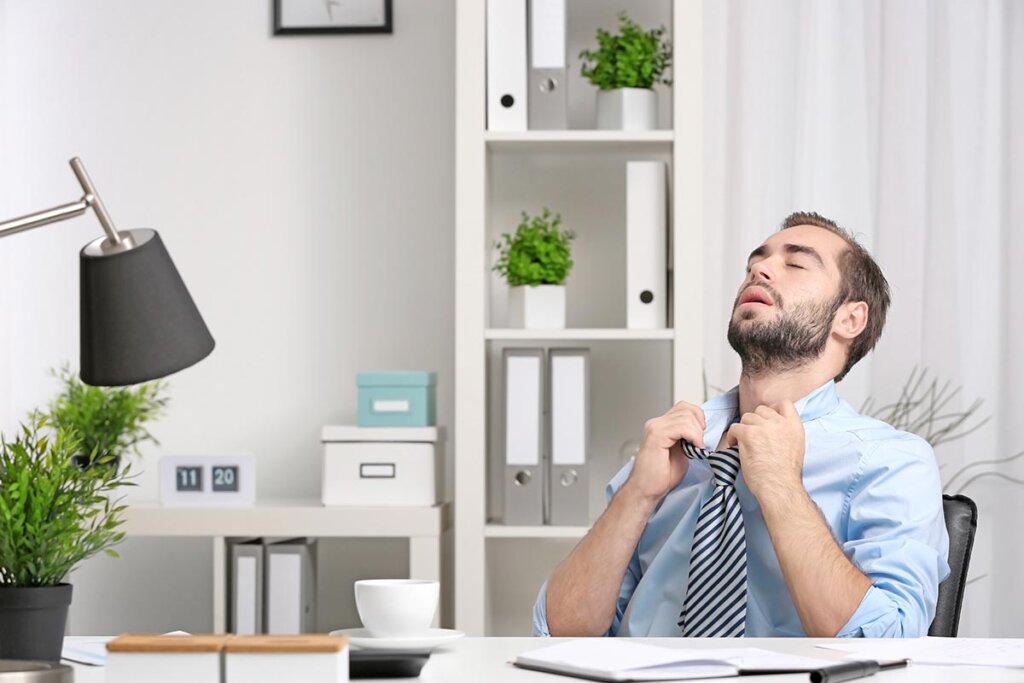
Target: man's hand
{"x": 661, "y": 464}
{"x": 771, "y": 444}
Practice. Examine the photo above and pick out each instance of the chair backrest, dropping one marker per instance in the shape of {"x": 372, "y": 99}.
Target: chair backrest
{"x": 961, "y": 523}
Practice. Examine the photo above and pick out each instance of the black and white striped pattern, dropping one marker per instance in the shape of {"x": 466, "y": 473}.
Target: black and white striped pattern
{"x": 716, "y": 593}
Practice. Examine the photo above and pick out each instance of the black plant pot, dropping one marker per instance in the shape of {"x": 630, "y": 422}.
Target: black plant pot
{"x": 32, "y": 621}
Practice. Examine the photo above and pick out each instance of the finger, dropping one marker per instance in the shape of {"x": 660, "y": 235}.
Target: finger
{"x": 766, "y": 412}
{"x": 752, "y": 419}
{"x": 732, "y": 437}
{"x": 686, "y": 429}
{"x": 688, "y": 408}
{"x": 787, "y": 409}
{"x": 670, "y": 429}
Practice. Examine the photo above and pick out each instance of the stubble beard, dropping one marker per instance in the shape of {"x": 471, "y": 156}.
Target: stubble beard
{"x": 793, "y": 339}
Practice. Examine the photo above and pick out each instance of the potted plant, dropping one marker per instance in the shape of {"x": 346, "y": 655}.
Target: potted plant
{"x": 625, "y": 68}
{"x": 108, "y": 421}
{"x": 535, "y": 262}
{"x": 53, "y": 515}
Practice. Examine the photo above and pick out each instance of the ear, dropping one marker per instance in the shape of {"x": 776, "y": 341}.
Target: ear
{"x": 850, "y": 320}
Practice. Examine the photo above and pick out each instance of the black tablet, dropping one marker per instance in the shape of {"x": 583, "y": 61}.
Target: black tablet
{"x": 386, "y": 663}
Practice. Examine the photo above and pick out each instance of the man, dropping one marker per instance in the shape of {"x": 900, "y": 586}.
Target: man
{"x": 833, "y": 525}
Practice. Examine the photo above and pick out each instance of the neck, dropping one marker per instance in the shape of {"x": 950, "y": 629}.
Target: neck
{"x": 769, "y": 388}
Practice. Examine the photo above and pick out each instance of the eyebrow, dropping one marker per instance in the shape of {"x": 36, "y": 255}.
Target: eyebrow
{"x": 789, "y": 248}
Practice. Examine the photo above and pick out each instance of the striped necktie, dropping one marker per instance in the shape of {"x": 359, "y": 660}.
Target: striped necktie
{"x": 716, "y": 592}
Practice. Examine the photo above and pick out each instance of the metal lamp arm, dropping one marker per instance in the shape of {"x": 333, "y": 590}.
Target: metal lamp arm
{"x": 65, "y": 211}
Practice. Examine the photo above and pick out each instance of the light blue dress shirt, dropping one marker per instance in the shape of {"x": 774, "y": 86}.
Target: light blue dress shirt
{"x": 879, "y": 490}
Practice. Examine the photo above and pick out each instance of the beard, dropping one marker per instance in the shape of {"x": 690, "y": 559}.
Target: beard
{"x": 791, "y": 340}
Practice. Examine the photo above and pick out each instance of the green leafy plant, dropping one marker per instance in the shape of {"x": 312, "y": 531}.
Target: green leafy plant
{"x": 106, "y": 420}
{"x": 632, "y": 58}
{"x": 537, "y": 254}
{"x": 53, "y": 513}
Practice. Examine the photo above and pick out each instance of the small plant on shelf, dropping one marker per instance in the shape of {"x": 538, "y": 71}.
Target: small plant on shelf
{"x": 536, "y": 261}
{"x": 632, "y": 58}
{"x": 537, "y": 254}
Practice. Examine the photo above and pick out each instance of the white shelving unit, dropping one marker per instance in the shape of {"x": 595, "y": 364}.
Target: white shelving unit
{"x": 476, "y": 152}
{"x": 577, "y": 334}
{"x": 422, "y": 526}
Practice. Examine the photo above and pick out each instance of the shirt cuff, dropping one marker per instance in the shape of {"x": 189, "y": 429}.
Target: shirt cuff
{"x": 540, "y": 613}
{"x": 877, "y": 616}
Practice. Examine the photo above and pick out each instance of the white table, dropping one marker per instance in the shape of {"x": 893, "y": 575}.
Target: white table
{"x": 486, "y": 660}
{"x": 422, "y": 526}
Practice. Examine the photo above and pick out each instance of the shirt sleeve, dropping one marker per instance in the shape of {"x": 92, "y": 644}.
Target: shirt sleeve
{"x": 629, "y": 581}
{"x": 897, "y": 536}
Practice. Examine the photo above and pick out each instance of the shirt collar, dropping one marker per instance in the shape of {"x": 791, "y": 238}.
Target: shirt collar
{"x": 818, "y": 403}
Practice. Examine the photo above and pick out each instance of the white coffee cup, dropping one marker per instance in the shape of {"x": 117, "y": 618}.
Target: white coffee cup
{"x": 394, "y": 608}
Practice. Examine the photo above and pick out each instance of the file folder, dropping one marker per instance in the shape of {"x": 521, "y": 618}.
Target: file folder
{"x": 506, "y": 65}
{"x": 245, "y": 596}
{"x": 524, "y": 467}
{"x": 290, "y": 587}
{"x": 568, "y": 480}
{"x": 548, "y": 100}
{"x": 646, "y": 245}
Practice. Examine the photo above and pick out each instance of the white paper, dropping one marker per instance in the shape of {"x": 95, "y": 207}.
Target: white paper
{"x": 1002, "y": 652}
{"x": 85, "y": 650}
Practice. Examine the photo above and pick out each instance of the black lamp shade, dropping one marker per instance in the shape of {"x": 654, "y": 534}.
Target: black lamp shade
{"x": 138, "y": 321}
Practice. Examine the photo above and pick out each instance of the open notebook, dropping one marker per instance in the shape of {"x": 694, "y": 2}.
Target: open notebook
{"x": 622, "y": 659}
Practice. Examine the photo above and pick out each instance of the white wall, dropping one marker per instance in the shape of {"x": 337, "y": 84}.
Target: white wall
{"x": 304, "y": 188}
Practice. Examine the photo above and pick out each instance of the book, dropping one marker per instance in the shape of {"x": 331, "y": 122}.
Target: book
{"x": 624, "y": 659}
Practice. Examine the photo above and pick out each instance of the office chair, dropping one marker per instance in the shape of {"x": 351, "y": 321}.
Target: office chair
{"x": 961, "y": 523}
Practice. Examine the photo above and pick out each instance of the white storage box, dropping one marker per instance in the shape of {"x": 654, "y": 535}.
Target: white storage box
{"x": 385, "y": 466}
{"x": 274, "y": 659}
{"x": 164, "y": 659}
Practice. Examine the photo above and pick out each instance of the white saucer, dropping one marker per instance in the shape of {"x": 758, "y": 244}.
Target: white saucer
{"x": 434, "y": 637}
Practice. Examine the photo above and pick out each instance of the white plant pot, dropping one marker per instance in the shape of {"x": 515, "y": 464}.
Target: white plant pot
{"x": 627, "y": 109}
{"x": 540, "y": 307}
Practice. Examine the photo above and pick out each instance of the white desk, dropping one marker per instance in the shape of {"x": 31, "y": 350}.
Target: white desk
{"x": 422, "y": 526}
{"x": 485, "y": 660}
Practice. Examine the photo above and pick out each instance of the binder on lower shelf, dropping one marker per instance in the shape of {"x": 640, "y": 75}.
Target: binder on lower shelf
{"x": 568, "y": 480}
{"x": 524, "y": 467}
{"x": 245, "y": 587}
{"x": 290, "y": 587}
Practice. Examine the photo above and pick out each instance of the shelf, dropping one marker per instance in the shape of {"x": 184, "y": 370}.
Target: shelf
{"x": 305, "y": 517}
{"x": 502, "y": 531}
{"x": 579, "y": 334}
{"x": 579, "y": 140}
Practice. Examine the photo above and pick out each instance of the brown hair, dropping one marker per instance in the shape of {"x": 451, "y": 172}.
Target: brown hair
{"x": 861, "y": 280}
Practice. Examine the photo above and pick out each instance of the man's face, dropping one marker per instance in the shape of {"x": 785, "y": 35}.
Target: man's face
{"x": 783, "y": 313}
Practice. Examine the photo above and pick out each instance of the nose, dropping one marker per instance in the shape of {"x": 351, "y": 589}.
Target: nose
{"x": 762, "y": 271}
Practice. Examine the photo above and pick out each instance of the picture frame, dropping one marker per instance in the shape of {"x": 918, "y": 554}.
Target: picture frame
{"x": 318, "y": 17}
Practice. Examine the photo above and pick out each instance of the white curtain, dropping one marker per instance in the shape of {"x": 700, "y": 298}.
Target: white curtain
{"x": 903, "y": 121}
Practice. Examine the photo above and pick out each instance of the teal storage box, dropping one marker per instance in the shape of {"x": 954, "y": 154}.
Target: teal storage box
{"x": 397, "y": 399}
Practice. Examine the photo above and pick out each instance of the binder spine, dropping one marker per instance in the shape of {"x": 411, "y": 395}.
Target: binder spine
{"x": 506, "y": 65}
{"x": 524, "y": 466}
{"x": 569, "y": 441}
{"x": 646, "y": 245}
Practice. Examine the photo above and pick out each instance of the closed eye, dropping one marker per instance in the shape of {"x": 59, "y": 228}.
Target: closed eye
{"x": 793, "y": 265}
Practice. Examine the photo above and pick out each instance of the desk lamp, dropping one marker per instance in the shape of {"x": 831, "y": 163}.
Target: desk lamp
{"x": 138, "y": 321}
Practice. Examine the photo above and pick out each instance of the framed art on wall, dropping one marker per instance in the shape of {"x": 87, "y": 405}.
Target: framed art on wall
{"x": 331, "y": 16}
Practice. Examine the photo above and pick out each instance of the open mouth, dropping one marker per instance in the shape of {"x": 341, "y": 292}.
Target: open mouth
{"x": 756, "y": 295}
